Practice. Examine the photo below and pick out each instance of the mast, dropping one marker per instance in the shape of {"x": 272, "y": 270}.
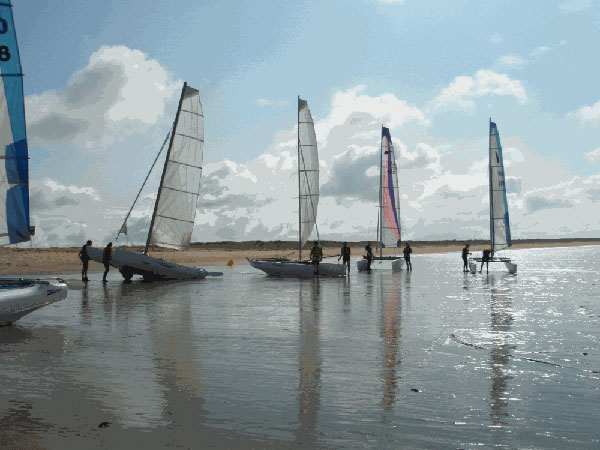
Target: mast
{"x": 162, "y": 178}
{"x": 299, "y": 192}
{"x": 380, "y": 216}
{"x": 491, "y": 192}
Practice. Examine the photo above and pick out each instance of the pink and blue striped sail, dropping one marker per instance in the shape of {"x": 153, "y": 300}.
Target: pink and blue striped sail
{"x": 389, "y": 202}
{"x": 14, "y": 169}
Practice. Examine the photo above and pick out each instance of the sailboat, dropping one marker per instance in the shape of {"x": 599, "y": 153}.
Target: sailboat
{"x": 388, "y": 220}
{"x": 18, "y": 296}
{"x": 499, "y": 223}
{"x": 308, "y": 201}
{"x": 174, "y": 211}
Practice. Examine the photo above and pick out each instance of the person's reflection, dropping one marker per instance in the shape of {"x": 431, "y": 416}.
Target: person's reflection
{"x": 390, "y": 295}
{"x": 310, "y": 365}
{"x": 501, "y": 321}
{"x": 346, "y": 295}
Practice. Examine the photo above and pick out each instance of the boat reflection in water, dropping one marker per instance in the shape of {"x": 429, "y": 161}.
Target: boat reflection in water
{"x": 309, "y": 396}
{"x": 390, "y": 290}
{"x": 501, "y": 347}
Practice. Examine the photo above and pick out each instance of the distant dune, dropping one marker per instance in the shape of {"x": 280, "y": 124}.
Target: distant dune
{"x": 50, "y": 261}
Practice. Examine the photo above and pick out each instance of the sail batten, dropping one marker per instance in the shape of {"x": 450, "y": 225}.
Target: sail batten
{"x": 389, "y": 199}
{"x": 14, "y": 172}
{"x": 308, "y": 172}
{"x": 499, "y": 220}
{"x": 175, "y": 210}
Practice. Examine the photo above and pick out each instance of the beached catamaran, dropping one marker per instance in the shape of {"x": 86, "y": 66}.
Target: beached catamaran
{"x": 499, "y": 223}
{"x": 308, "y": 189}
{"x": 17, "y": 296}
{"x": 388, "y": 219}
{"x": 174, "y": 212}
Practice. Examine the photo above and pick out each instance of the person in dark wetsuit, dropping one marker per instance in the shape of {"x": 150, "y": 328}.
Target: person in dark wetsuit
{"x": 369, "y": 256}
{"x": 485, "y": 258}
{"x": 316, "y": 255}
{"x": 407, "y": 251}
{"x": 85, "y": 260}
{"x": 345, "y": 253}
{"x": 106, "y": 257}
{"x": 465, "y": 257}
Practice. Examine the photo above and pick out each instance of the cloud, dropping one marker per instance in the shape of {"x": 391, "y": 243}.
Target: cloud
{"x": 587, "y": 115}
{"x": 512, "y": 61}
{"x": 462, "y": 91}
{"x": 573, "y": 6}
{"x": 535, "y": 203}
{"x": 593, "y": 157}
{"x": 496, "y": 39}
{"x": 266, "y": 102}
{"x": 120, "y": 92}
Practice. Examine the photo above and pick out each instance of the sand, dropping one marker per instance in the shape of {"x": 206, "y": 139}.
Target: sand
{"x": 49, "y": 261}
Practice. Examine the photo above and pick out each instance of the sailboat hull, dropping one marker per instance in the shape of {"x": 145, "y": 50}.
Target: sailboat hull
{"x": 380, "y": 263}
{"x": 19, "y": 297}
{"x": 132, "y": 263}
{"x": 299, "y": 269}
{"x": 510, "y": 266}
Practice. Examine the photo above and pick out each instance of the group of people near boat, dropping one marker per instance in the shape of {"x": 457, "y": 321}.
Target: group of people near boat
{"x": 85, "y": 260}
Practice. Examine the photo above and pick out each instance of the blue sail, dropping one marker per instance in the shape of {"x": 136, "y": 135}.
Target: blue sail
{"x": 14, "y": 172}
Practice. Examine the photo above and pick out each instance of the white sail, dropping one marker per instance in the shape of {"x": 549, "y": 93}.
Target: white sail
{"x": 14, "y": 171}
{"x": 389, "y": 199}
{"x": 499, "y": 223}
{"x": 175, "y": 209}
{"x": 308, "y": 171}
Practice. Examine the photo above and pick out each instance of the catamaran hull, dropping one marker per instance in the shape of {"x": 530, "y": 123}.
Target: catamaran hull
{"x": 296, "y": 268}
{"x": 510, "y": 266}
{"x": 132, "y": 263}
{"x": 19, "y": 297}
{"x": 378, "y": 264}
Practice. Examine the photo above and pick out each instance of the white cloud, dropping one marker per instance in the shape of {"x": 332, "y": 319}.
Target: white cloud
{"x": 119, "y": 92}
{"x": 593, "y": 157}
{"x": 462, "y": 91}
{"x": 587, "y": 115}
{"x": 496, "y": 39}
{"x": 512, "y": 61}
{"x": 540, "y": 50}
{"x": 575, "y": 6}
{"x": 267, "y": 102}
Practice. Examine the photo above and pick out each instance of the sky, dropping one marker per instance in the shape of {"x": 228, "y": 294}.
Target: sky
{"x": 102, "y": 82}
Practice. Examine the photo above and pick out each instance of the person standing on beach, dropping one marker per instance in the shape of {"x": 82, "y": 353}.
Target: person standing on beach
{"x": 485, "y": 258}
{"x": 345, "y": 253}
{"x": 407, "y": 251}
{"x": 316, "y": 255}
{"x": 106, "y": 257}
{"x": 465, "y": 257}
{"x": 369, "y": 256}
{"x": 85, "y": 260}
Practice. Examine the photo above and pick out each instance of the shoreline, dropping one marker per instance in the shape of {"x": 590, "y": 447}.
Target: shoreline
{"x": 64, "y": 261}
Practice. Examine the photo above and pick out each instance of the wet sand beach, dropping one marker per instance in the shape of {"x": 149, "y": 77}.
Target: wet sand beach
{"x": 47, "y": 261}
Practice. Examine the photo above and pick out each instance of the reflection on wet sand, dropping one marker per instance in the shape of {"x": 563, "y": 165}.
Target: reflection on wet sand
{"x": 310, "y": 364}
{"x": 390, "y": 300}
{"x": 501, "y": 321}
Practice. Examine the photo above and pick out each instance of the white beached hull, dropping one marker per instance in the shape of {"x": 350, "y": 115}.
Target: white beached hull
{"x": 474, "y": 263}
{"x": 378, "y": 264}
{"x": 297, "y": 269}
{"x": 19, "y": 297}
{"x": 132, "y": 263}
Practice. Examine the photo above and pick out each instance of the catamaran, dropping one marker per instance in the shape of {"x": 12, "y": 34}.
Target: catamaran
{"x": 174, "y": 212}
{"x": 499, "y": 223}
{"x": 308, "y": 201}
{"x": 388, "y": 219}
{"x": 18, "y": 296}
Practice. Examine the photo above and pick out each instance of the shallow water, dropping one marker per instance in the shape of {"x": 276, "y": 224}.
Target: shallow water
{"x": 429, "y": 359}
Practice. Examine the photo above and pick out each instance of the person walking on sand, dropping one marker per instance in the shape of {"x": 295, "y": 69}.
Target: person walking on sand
{"x": 407, "y": 251}
{"x": 465, "y": 257}
{"x": 485, "y": 258}
{"x": 369, "y": 256}
{"x": 316, "y": 255}
{"x": 85, "y": 260}
{"x": 106, "y": 257}
{"x": 345, "y": 253}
